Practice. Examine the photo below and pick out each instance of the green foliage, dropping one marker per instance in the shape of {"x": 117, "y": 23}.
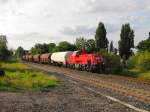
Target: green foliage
{"x": 56, "y": 49}
{"x": 144, "y": 76}
{"x": 111, "y": 47}
{"x": 51, "y": 47}
{"x": 4, "y": 52}
{"x": 3, "y": 40}
{"x": 89, "y": 45}
{"x": 43, "y": 48}
{"x": 144, "y": 45}
{"x": 132, "y": 62}
{"x": 144, "y": 61}
{"x": 37, "y": 49}
{"x": 112, "y": 62}
{"x": 19, "y": 52}
{"x": 20, "y": 77}
{"x": 141, "y": 60}
{"x": 100, "y": 37}
{"x": 126, "y": 41}
{"x": 103, "y": 52}
{"x": 81, "y": 43}
{"x": 66, "y": 46}
{"x": 139, "y": 65}
{"x": 115, "y": 51}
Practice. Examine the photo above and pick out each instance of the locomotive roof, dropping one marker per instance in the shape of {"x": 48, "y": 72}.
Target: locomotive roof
{"x": 75, "y": 52}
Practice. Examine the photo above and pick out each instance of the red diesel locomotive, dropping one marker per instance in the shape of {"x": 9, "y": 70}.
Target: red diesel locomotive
{"x": 84, "y": 61}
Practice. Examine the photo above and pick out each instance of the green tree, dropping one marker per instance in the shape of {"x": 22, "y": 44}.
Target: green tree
{"x": 45, "y": 48}
{"x": 40, "y": 48}
{"x": 56, "y": 49}
{"x": 112, "y": 62}
{"x": 37, "y": 49}
{"x": 111, "y": 47}
{"x": 90, "y": 45}
{"x": 115, "y": 51}
{"x": 3, "y": 40}
{"x": 144, "y": 45}
{"x": 66, "y": 46}
{"x": 19, "y": 52}
{"x": 126, "y": 41}
{"x": 33, "y": 51}
{"x": 81, "y": 43}
{"x": 100, "y": 37}
{"x": 51, "y": 47}
{"x": 4, "y": 52}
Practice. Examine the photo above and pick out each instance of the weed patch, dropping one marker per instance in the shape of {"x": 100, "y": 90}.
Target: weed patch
{"x": 20, "y": 77}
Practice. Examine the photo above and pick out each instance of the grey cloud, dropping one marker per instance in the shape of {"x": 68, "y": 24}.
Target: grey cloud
{"x": 115, "y": 6}
{"x": 28, "y": 40}
{"x": 83, "y": 30}
{"x": 30, "y": 36}
{"x": 111, "y": 28}
{"x": 101, "y": 8}
{"x": 78, "y": 30}
{"x": 4, "y": 1}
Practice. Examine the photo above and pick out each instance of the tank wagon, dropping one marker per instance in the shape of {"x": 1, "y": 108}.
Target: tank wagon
{"x": 75, "y": 60}
{"x": 60, "y": 58}
{"x": 45, "y": 58}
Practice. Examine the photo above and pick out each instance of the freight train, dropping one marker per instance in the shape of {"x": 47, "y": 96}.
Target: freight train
{"x": 70, "y": 59}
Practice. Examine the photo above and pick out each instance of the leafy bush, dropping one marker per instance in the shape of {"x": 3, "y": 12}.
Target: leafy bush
{"x": 132, "y": 62}
{"x": 141, "y": 60}
{"x": 144, "y": 76}
{"x": 112, "y": 62}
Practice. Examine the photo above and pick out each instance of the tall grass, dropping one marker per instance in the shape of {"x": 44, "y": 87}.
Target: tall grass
{"x": 20, "y": 77}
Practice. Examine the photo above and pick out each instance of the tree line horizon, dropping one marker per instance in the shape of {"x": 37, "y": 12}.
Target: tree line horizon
{"x": 93, "y": 45}
{"x": 99, "y": 43}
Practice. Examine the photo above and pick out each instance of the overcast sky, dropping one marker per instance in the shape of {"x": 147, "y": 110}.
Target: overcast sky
{"x": 27, "y": 22}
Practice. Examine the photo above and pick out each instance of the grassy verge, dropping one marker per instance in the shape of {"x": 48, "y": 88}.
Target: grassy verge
{"x": 20, "y": 77}
{"x": 140, "y": 74}
{"x": 144, "y": 76}
{"x": 137, "y": 73}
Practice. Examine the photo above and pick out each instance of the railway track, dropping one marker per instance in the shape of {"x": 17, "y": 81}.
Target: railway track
{"x": 139, "y": 94}
{"x": 132, "y": 80}
{"x": 90, "y": 81}
{"x": 125, "y": 78}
